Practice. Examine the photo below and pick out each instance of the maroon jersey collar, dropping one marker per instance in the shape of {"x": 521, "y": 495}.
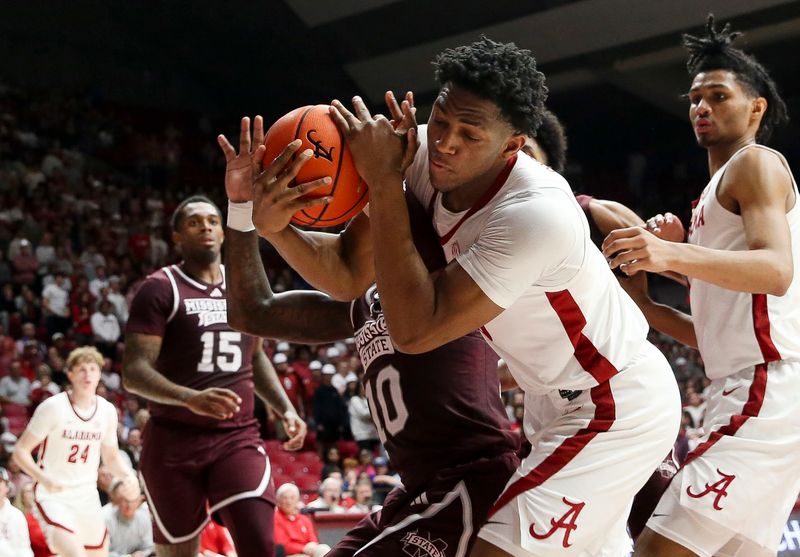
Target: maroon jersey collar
{"x": 196, "y": 282}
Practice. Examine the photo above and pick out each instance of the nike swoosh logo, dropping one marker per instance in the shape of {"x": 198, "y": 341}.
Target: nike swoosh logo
{"x": 726, "y": 393}
{"x": 657, "y": 515}
{"x": 494, "y": 522}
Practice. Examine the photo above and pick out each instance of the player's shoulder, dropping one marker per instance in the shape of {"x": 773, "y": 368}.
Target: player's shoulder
{"x": 756, "y": 164}
{"x": 53, "y": 404}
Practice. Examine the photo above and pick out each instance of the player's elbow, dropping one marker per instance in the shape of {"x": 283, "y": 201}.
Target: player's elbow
{"x": 781, "y": 281}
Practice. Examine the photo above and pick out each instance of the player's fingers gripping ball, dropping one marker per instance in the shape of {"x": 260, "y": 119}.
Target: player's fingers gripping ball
{"x": 331, "y": 157}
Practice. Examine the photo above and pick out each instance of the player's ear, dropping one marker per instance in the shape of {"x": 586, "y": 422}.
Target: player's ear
{"x": 759, "y": 107}
{"x": 176, "y": 238}
{"x": 513, "y": 145}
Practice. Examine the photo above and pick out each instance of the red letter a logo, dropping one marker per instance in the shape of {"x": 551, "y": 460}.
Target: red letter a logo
{"x": 567, "y": 522}
{"x": 719, "y": 487}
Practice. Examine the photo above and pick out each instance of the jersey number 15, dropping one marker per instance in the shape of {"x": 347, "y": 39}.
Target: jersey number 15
{"x": 225, "y": 344}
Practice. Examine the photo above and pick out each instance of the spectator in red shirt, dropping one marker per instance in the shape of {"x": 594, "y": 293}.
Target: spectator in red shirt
{"x": 215, "y": 541}
{"x": 24, "y": 502}
{"x": 295, "y": 531}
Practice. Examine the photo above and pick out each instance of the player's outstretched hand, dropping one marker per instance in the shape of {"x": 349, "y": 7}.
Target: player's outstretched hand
{"x": 296, "y": 430}
{"x": 215, "y": 403}
{"x": 635, "y": 249}
{"x": 667, "y": 227}
{"x": 404, "y": 115}
{"x": 276, "y": 198}
{"x": 242, "y": 168}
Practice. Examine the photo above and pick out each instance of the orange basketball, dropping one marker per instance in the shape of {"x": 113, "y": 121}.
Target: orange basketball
{"x": 314, "y": 126}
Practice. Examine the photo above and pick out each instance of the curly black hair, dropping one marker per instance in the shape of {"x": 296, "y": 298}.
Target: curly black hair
{"x": 501, "y": 73}
{"x": 178, "y": 214}
{"x": 715, "y": 51}
{"x": 552, "y": 139}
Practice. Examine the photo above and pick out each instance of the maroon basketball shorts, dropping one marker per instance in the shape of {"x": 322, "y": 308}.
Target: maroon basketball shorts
{"x": 440, "y": 519}
{"x": 188, "y": 473}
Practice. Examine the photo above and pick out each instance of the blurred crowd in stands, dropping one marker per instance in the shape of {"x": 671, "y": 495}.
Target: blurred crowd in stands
{"x": 86, "y": 192}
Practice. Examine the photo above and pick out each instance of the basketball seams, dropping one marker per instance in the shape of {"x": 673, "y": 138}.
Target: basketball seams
{"x": 297, "y": 123}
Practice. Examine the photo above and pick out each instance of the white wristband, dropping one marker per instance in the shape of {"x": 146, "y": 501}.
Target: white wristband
{"x": 240, "y": 216}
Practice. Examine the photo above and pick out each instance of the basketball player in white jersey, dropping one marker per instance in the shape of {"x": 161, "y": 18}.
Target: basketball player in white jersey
{"x": 74, "y": 431}
{"x": 737, "y": 488}
{"x": 602, "y": 401}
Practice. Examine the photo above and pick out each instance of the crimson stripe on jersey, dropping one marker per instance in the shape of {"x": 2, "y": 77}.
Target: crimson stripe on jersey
{"x": 752, "y": 407}
{"x": 604, "y": 416}
{"x": 480, "y": 203}
{"x": 761, "y": 327}
{"x": 573, "y": 321}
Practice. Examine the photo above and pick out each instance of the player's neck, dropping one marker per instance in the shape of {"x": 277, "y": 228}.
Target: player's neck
{"x": 462, "y": 197}
{"x": 83, "y": 399}
{"x": 210, "y": 273}
{"x": 718, "y": 155}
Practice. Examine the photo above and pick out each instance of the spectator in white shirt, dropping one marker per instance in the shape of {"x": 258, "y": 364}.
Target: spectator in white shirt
{"x": 117, "y": 299}
{"x": 99, "y": 281}
{"x": 130, "y": 530}
{"x": 14, "y": 538}
{"x": 45, "y": 252}
{"x": 14, "y": 388}
{"x": 106, "y": 329}
{"x": 361, "y": 425}
{"x": 344, "y": 375}
{"x": 55, "y": 299}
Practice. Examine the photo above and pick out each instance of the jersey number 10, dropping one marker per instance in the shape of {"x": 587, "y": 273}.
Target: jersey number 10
{"x": 226, "y": 346}
{"x": 392, "y": 408}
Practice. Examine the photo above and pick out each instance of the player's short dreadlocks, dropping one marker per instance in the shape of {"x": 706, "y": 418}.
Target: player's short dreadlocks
{"x": 501, "y": 73}
{"x": 715, "y": 51}
{"x": 553, "y": 141}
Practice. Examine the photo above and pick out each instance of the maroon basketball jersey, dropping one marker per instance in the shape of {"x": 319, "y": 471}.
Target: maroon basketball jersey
{"x": 433, "y": 410}
{"x": 199, "y": 349}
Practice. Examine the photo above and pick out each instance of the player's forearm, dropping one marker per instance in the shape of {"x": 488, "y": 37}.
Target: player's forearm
{"x": 407, "y": 289}
{"x": 115, "y": 463}
{"x": 670, "y": 321}
{"x": 326, "y": 261}
{"x": 298, "y": 316}
{"x": 267, "y": 385}
{"x": 757, "y": 271}
{"x": 140, "y": 378}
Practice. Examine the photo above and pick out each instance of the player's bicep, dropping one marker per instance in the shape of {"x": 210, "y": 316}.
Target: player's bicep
{"x": 762, "y": 188}
{"x": 141, "y": 353}
{"x": 29, "y": 440}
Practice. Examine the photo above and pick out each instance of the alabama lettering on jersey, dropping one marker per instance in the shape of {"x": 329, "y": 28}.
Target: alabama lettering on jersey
{"x": 566, "y": 324}
{"x": 199, "y": 349}
{"x": 433, "y": 410}
{"x": 70, "y": 450}
{"x": 736, "y": 330}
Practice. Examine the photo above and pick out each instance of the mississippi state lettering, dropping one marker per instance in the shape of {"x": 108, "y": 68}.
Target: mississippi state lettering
{"x": 208, "y": 310}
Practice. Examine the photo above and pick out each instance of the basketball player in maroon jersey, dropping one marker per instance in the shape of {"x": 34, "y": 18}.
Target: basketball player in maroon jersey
{"x": 438, "y": 413}
{"x": 202, "y": 452}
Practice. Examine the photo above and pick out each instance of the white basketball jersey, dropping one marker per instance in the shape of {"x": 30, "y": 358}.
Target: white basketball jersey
{"x": 70, "y": 450}
{"x": 566, "y": 324}
{"x": 736, "y": 330}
